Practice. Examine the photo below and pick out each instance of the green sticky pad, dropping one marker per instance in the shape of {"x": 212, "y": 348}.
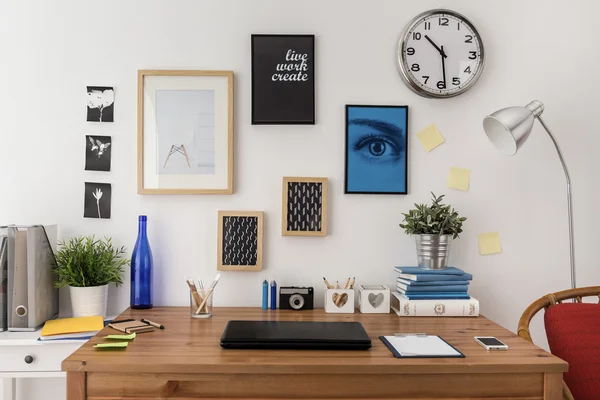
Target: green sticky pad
{"x": 122, "y": 337}
{"x": 115, "y": 345}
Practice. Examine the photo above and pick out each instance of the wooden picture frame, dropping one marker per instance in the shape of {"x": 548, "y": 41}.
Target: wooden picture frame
{"x": 232, "y": 255}
{"x": 185, "y": 132}
{"x": 312, "y": 220}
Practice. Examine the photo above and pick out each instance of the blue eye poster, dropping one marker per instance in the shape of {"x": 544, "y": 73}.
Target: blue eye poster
{"x": 376, "y": 149}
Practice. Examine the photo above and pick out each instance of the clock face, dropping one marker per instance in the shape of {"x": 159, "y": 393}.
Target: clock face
{"x": 440, "y": 54}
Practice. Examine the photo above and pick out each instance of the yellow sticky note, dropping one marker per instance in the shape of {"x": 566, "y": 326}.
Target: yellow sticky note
{"x": 489, "y": 243}
{"x": 113, "y": 345}
{"x": 430, "y": 137}
{"x": 459, "y": 178}
{"x": 121, "y": 337}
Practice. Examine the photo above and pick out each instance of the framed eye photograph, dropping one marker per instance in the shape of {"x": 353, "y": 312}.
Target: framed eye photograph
{"x": 304, "y": 207}
{"x": 240, "y": 241}
{"x": 376, "y": 149}
{"x": 185, "y": 132}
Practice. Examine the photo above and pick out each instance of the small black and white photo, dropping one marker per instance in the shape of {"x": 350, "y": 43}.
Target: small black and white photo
{"x": 100, "y": 104}
{"x": 97, "y": 153}
{"x": 97, "y": 200}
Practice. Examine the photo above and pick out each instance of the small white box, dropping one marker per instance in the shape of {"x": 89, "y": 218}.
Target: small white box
{"x": 339, "y": 301}
{"x": 374, "y": 299}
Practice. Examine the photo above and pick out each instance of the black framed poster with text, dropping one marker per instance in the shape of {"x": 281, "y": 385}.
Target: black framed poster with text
{"x": 283, "y": 79}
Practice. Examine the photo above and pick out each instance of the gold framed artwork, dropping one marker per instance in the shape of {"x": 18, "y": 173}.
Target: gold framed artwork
{"x": 240, "y": 241}
{"x": 304, "y": 207}
{"x": 185, "y": 132}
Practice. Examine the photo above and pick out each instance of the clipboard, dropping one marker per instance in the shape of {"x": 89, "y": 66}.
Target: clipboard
{"x": 420, "y": 346}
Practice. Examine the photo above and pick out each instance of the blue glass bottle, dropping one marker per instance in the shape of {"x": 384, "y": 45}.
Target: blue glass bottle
{"x": 141, "y": 269}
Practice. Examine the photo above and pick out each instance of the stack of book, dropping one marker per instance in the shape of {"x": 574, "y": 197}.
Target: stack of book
{"x": 430, "y": 293}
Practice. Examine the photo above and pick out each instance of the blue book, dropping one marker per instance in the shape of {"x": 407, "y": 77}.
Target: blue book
{"x": 421, "y": 271}
{"x": 431, "y": 283}
{"x": 432, "y": 278}
{"x": 435, "y": 296}
{"x": 431, "y": 289}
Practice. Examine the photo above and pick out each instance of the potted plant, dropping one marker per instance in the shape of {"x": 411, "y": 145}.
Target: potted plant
{"x": 433, "y": 226}
{"x": 87, "y": 265}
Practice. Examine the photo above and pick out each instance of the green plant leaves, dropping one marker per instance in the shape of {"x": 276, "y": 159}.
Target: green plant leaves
{"x": 86, "y": 261}
{"x": 436, "y": 219}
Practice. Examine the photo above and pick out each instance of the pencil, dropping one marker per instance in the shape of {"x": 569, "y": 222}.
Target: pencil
{"x": 337, "y": 284}
{"x": 352, "y": 284}
{"x": 195, "y": 295}
{"x": 326, "y": 283}
{"x": 347, "y": 282}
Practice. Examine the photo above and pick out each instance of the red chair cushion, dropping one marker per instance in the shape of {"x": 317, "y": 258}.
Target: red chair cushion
{"x": 573, "y": 331}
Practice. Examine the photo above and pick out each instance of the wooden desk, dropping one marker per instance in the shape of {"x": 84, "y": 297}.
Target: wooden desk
{"x": 185, "y": 361}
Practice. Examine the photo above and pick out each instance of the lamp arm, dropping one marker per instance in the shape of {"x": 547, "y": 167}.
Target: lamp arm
{"x": 569, "y": 201}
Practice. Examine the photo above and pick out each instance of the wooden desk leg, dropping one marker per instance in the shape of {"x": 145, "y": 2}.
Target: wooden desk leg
{"x": 76, "y": 386}
{"x": 552, "y": 386}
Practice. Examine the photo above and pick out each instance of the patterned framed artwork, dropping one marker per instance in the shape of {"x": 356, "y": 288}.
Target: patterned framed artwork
{"x": 304, "y": 207}
{"x": 240, "y": 240}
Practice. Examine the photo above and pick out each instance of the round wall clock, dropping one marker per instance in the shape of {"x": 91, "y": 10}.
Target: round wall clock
{"x": 440, "y": 54}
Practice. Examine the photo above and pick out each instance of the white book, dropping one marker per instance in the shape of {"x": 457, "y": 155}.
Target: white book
{"x": 434, "y": 308}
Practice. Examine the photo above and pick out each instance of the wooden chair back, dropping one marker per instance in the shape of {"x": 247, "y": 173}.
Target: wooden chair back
{"x": 548, "y": 301}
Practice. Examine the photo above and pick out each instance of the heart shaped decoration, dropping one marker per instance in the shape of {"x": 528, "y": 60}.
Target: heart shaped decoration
{"x": 376, "y": 300}
{"x": 340, "y": 299}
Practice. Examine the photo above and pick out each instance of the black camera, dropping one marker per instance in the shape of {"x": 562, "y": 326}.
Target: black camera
{"x": 296, "y": 298}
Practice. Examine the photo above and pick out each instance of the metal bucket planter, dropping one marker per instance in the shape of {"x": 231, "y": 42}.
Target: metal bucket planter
{"x": 433, "y": 251}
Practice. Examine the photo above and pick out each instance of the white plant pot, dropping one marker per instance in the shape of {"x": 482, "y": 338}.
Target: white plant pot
{"x": 89, "y": 301}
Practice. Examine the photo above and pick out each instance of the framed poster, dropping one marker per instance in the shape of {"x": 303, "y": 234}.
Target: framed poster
{"x": 304, "y": 207}
{"x": 185, "y": 132}
{"x": 376, "y": 149}
{"x": 239, "y": 242}
{"x": 283, "y": 79}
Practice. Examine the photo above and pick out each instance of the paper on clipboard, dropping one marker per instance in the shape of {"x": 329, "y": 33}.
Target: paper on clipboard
{"x": 420, "y": 346}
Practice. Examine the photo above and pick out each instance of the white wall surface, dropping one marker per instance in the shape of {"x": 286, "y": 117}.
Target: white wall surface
{"x": 535, "y": 50}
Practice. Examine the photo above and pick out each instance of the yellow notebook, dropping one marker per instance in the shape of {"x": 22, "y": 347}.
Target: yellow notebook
{"x": 72, "y": 325}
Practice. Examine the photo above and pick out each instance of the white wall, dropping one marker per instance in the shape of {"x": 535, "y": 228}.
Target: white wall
{"x": 535, "y": 50}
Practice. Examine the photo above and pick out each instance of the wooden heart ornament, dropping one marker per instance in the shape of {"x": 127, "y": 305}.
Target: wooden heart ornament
{"x": 340, "y": 299}
{"x": 376, "y": 300}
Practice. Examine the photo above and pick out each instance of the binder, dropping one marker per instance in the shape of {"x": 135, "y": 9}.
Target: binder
{"x": 3, "y": 283}
{"x": 32, "y": 298}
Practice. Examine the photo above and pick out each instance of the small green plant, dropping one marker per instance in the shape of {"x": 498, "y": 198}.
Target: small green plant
{"x": 434, "y": 219}
{"x": 87, "y": 261}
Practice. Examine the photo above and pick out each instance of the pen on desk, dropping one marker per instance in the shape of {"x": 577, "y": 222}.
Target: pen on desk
{"x": 273, "y": 295}
{"x": 347, "y": 283}
{"x": 326, "y": 283}
{"x": 154, "y": 324}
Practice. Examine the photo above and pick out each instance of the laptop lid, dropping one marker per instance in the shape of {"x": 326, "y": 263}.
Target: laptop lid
{"x": 295, "y": 335}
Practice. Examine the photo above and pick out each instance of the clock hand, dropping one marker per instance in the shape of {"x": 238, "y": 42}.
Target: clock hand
{"x": 441, "y": 50}
{"x": 443, "y": 66}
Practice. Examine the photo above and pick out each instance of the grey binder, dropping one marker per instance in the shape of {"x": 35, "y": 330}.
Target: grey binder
{"x": 3, "y": 283}
{"x": 32, "y": 297}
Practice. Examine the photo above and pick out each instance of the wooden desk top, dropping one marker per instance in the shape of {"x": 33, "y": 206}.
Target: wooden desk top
{"x": 192, "y": 346}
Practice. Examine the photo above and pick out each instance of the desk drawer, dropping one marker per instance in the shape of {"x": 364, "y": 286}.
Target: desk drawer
{"x": 46, "y": 357}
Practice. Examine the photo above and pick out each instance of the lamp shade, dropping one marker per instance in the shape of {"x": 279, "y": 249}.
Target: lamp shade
{"x": 510, "y": 127}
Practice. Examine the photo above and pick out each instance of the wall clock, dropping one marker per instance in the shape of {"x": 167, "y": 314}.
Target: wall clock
{"x": 440, "y": 54}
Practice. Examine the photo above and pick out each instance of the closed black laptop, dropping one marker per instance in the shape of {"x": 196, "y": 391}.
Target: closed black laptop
{"x": 297, "y": 335}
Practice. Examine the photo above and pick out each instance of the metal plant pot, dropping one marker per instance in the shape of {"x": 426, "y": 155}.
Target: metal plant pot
{"x": 433, "y": 251}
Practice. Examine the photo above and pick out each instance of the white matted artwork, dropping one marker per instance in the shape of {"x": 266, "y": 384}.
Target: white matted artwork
{"x": 185, "y": 132}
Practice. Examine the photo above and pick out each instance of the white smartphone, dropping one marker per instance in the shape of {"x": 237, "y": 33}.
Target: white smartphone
{"x": 490, "y": 343}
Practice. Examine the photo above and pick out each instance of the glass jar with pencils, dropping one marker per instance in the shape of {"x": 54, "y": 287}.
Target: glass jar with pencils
{"x": 201, "y": 299}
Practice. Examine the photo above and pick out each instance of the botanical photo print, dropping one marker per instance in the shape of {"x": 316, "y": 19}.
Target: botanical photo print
{"x": 376, "y": 149}
{"x": 185, "y": 121}
{"x": 100, "y": 104}
{"x": 97, "y": 200}
{"x": 97, "y": 153}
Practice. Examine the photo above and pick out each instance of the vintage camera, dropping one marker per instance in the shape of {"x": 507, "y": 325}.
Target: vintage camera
{"x": 296, "y": 298}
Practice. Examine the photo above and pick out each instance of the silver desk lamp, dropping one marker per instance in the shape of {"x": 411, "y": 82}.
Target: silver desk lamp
{"x": 508, "y": 129}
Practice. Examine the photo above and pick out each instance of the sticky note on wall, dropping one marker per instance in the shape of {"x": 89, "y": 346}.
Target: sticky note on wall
{"x": 430, "y": 137}
{"x": 489, "y": 243}
{"x": 459, "y": 178}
